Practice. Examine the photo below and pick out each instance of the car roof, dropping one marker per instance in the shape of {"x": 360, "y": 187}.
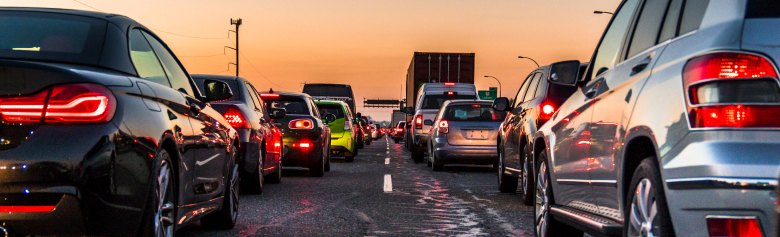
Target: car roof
{"x": 441, "y": 87}
{"x": 120, "y": 20}
{"x": 293, "y": 94}
{"x": 216, "y": 77}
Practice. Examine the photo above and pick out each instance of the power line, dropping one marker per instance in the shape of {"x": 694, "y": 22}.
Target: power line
{"x": 258, "y": 71}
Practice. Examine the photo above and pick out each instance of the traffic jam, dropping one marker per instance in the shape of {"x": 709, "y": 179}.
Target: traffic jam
{"x": 668, "y": 127}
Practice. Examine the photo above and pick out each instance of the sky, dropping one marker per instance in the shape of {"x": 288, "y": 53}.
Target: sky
{"x": 365, "y": 43}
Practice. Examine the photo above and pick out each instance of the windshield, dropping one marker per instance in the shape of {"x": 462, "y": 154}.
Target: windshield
{"x": 473, "y": 113}
{"x": 51, "y": 37}
{"x": 435, "y": 101}
{"x": 335, "y": 110}
{"x": 293, "y": 105}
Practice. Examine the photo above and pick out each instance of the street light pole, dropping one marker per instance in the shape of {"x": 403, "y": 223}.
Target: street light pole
{"x": 602, "y": 12}
{"x": 499, "y": 85}
{"x": 537, "y": 64}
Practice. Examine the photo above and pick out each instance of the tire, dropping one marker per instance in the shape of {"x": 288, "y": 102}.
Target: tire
{"x": 647, "y": 190}
{"x": 417, "y": 155}
{"x": 506, "y": 183}
{"x": 436, "y": 167}
{"x": 430, "y": 164}
{"x": 396, "y": 140}
{"x": 359, "y": 142}
{"x": 318, "y": 169}
{"x": 276, "y": 177}
{"x": 327, "y": 158}
{"x": 253, "y": 182}
{"x": 349, "y": 159}
{"x": 159, "y": 216}
{"x": 526, "y": 183}
{"x": 544, "y": 223}
{"x": 226, "y": 217}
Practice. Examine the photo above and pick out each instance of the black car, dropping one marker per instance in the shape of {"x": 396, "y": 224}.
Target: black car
{"x": 535, "y": 103}
{"x": 102, "y": 131}
{"x": 398, "y": 132}
{"x": 259, "y": 158}
{"x": 306, "y": 141}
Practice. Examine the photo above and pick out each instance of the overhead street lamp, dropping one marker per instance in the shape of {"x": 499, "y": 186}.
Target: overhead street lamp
{"x": 537, "y": 64}
{"x": 601, "y": 12}
{"x": 499, "y": 85}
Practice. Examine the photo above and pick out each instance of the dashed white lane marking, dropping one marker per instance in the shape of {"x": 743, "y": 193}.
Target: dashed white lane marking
{"x": 388, "y": 187}
{"x": 388, "y": 152}
{"x": 387, "y": 161}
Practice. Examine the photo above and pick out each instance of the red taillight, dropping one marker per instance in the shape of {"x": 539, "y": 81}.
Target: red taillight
{"x": 444, "y": 126}
{"x": 301, "y": 124}
{"x": 269, "y": 95}
{"x": 548, "y": 109}
{"x": 450, "y": 92}
{"x": 399, "y": 129}
{"x": 743, "y": 227}
{"x": 302, "y": 145}
{"x": 713, "y": 84}
{"x": 67, "y": 104}
{"x": 418, "y": 122}
{"x": 235, "y": 118}
{"x": 26, "y": 208}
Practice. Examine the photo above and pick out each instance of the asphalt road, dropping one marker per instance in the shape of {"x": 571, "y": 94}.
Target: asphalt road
{"x": 351, "y": 201}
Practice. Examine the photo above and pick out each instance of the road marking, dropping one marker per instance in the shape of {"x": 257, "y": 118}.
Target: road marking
{"x": 388, "y": 184}
{"x": 387, "y": 161}
{"x": 388, "y": 152}
{"x": 201, "y": 163}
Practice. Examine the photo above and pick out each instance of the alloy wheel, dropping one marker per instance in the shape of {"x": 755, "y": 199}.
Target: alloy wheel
{"x": 234, "y": 192}
{"x": 500, "y": 166}
{"x": 164, "y": 219}
{"x": 644, "y": 211}
{"x": 542, "y": 202}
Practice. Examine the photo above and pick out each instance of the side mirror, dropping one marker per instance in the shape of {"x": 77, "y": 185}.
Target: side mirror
{"x": 564, "y": 73}
{"x": 501, "y": 104}
{"x": 428, "y": 122}
{"x": 216, "y": 91}
{"x": 330, "y": 118}
{"x": 278, "y": 113}
{"x": 409, "y": 110}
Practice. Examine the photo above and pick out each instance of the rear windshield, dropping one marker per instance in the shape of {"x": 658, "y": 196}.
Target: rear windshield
{"x": 473, "y": 113}
{"x": 435, "y": 101}
{"x": 51, "y": 37}
{"x": 401, "y": 124}
{"x": 335, "y": 110}
{"x": 293, "y": 105}
{"x": 233, "y": 84}
{"x": 763, "y": 9}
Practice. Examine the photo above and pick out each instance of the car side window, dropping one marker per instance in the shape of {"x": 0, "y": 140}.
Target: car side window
{"x": 145, "y": 61}
{"x": 648, "y": 26}
{"x": 692, "y": 15}
{"x": 520, "y": 93}
{"x": 669, "y": 29}
{"x": 313, "y": 107}
{"x": 529, "y": 95}
{"x": 258, "y": 100}
{"x": 248, "y": 91}
{"x": 179, "y": 80}
{"x": 542, "y": 87}
{"x": 609, "y": 47}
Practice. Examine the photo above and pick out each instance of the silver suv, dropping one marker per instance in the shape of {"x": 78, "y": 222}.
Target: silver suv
{"x": 431, "y": 96}
{"x": 674, "y": 128}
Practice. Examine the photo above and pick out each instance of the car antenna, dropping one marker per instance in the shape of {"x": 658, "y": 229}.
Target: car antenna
{"x": 271, "y": 90}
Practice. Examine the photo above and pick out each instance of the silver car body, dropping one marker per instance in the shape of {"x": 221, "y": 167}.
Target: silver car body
{"x": 634, "y": 114}
{"x": 420, "y": 135}
{"x": 466, "y": 142}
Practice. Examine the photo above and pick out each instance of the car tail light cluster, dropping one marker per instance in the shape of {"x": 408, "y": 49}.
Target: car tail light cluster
{"x": 269, "y": 95}
{"x": 235, "y": 118}
{"x": 546, "y": 113}
{"x": 736, "y": 226}
{"x": 732, "y": 90}
{"x": 347, "y": 124}
{"x": 302, "y": 145}
{"x": 63, "y": 104}
{"x": 399, "y": 129}
{"x": 301, "y": 124}
{"x": 418, "y": 122}
{"x": 444, "y": 126}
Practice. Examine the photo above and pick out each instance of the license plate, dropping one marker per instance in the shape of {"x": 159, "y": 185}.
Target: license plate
{"x": 477, "y": 134}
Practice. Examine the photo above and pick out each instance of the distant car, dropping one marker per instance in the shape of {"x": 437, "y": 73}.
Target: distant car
{"x": 103, "y": 133}
{"x": 464, "y": 132}
{"x": 306, "y": 138}
{"x": 359, "y": 131}
{"x": 374, "y": 132}
{"x": 367, "y": 138}
{"x": 398, "y": 132}
{"x": 431, "y": 97}
{"x": 343, "y": 139}
{"x": 260, "y": 144}
{"x": 534, "y": 104}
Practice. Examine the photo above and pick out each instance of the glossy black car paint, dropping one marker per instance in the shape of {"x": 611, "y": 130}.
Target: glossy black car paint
{"x": 256, "y": 143}
{"x": 99, "y": 176}
{"x": 318, "y": 135}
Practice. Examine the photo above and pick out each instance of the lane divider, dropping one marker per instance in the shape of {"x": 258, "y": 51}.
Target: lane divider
{"x": 388, "y": 186}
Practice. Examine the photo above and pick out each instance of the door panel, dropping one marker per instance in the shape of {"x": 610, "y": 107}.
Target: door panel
{"x": 570, "y": 156}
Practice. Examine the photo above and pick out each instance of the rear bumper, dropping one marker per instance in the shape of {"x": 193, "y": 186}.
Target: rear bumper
{"x": 65, "y": 219}
{"x": 735, "y": 171}
{"x": 446, "y": 154}
{"x": 340, "y": 151}
{"x": 301, "y": 157}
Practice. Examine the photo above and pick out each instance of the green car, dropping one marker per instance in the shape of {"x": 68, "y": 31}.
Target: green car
{"x": 342, "y": 139}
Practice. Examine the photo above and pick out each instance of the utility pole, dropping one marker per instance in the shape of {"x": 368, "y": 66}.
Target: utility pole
{"x": 237, "y": 23}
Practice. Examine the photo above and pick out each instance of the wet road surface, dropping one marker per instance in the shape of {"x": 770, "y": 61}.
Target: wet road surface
{"x": 351, "y": 201}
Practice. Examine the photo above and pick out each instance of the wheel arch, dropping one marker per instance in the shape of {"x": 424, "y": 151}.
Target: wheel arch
{"x": 637, "y": 148}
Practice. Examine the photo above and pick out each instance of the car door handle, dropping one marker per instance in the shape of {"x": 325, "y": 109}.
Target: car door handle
{"x": 641, "y": 66}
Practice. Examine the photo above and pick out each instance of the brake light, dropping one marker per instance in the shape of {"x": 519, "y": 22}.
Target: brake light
{"x": 449, "y": 83}
{"x": 302, "y": 145}
{"x": 548, "y": 109}
{"x": 301, "y": 124}
{"x": 235, "y": 118}
{"x": 743, "y": 227}
{"x": 450, "y": 92}
{"x": 444, "y": 126}
{"x": 728, "y": 89}
{"x": 399, "y": 129}
{"x": 418, "y": 122}
{"x": 347, "y": 124}
{"x": 269, "y": 95}
{"x": 26, "y": 208}
{"x": 67, "y": 104}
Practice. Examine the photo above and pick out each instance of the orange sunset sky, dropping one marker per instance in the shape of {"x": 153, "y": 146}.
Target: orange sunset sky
{"x": 365, "y": 43}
